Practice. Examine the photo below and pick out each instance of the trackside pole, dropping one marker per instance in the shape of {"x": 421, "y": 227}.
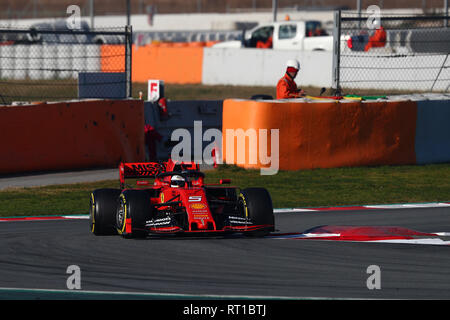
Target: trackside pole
{"x": 336, "y": 49}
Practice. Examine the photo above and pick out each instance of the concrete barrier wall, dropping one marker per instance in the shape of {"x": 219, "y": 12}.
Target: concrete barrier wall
{"x": 323, "y": 134}
{"x": 319, "y": 133}
{"x": 181, "y": 63}
{"x": 71, "y": 135}
{"x": 265, "y": 67}
{"x": 112, "y": 58}
{"x": 49, "y": 61}
{"x": 257, "y": 67}
{"x": 194, "y": 116}
{"x": 196, "y": 63}
{"x": 312, "y": 134}
{"x": 173, "y": 64}
{"x": 326, "y": 134}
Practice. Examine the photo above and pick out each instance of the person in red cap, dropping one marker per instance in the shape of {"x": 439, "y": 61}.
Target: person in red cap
{"x": 286, "y": 87}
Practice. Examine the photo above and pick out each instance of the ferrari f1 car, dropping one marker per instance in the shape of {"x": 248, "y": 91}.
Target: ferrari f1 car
{"x": 177, "y": 202}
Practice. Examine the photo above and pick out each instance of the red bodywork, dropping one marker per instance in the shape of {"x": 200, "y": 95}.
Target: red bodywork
{"x": 192, "y": 199}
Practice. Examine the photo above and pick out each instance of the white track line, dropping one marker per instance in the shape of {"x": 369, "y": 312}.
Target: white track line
{"x": 158, "y": 295}
{"x": 277, "y": 210}
{"x": 374, "y": 206}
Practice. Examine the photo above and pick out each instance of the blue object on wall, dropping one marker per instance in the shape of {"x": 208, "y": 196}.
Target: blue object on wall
{"x": 433, "y": 131}
{"x": 102, "y": 85}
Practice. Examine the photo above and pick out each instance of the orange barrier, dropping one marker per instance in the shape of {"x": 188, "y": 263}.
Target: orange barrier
{"x": 179, "y": 63}
{"x": 181, "y": 44}
{"x": 209, "y": 44}
{"x": 325, "y": 134}
{"x": 71, "y": 135}
{"x": 112, "y": 58}
{"x": 173, "y": 64}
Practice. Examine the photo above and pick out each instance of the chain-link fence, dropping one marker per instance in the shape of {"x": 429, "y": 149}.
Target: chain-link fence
{"x": 391, "y": 53}
{"x": 21, "y": 9}
{"x": 47, "y": 63}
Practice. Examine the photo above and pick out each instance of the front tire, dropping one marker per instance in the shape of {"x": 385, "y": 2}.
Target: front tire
{"x": 102, "y": 211}
{"x": 133, "y": 210}
{"x": 256, "y": 205}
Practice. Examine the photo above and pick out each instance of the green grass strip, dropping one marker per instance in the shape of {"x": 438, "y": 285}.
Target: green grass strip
{"x": 304, "y": 188}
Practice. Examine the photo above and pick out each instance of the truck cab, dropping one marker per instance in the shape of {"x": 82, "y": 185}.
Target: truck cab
{"x": 306, "y": 35}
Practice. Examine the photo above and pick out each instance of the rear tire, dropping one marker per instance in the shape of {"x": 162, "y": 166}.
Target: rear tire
{"x": 133, "y": 210}
{"x": 256, "y": 205}
{"x": 102, "y": 211}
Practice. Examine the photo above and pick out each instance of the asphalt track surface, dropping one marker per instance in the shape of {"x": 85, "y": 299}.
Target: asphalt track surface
{"x": 36, "y": 254}
{"x": 37, "y": 179}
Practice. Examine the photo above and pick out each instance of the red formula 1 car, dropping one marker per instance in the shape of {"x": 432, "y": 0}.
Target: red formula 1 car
{"x": 177, "y": 202}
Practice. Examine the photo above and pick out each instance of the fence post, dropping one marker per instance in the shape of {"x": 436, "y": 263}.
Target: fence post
{"x": 446, "y": 13}
{"x": 128, "y": 58}
{"x": 439, "y": 73}
{"x": 336, "y": 50}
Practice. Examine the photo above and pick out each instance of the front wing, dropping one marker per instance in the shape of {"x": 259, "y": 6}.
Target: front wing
{"x": 229, "y": 224}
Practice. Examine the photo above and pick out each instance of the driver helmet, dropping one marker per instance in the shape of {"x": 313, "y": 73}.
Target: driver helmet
{"x": 177, "y": 181}
{"x": 292, "y": 65}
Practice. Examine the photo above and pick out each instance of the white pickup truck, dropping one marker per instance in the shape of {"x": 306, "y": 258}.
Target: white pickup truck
{"x": 306, "y": 35}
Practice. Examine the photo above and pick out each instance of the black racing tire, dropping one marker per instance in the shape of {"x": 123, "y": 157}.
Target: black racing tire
{"x": 256, "y": 205}
{"x": 134, "y": 205}
{"x": 102, "y": 211}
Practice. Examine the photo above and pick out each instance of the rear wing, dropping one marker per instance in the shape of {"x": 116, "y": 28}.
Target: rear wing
{"x": 140, "y": 170}
{"x": 150, "y": 170}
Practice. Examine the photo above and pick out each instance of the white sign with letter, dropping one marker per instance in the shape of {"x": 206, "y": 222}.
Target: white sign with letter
{"x": 155, "y": 90}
